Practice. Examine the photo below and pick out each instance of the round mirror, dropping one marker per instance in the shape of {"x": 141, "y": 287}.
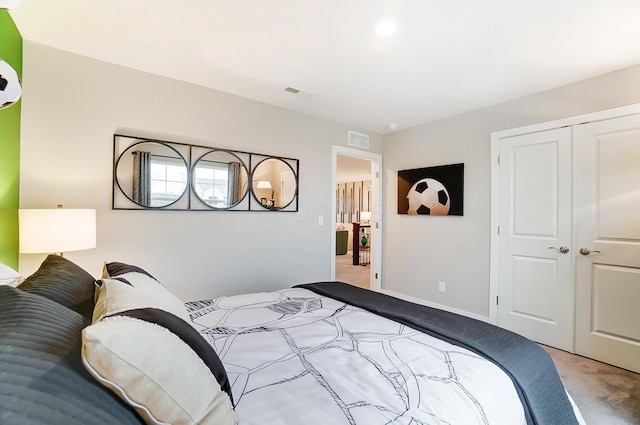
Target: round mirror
{"x": 274, "y": 183}
{"x": 152, "y": 174}
{"x": 219, "y": 179}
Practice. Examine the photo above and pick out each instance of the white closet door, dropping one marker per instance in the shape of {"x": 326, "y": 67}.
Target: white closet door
{"x": 607, "y": 191}
{"x": 536, "y": 286}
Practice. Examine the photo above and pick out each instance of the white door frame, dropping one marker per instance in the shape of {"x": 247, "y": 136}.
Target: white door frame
{"x": 495, "y": 183}
{"x": 375, "y": 208}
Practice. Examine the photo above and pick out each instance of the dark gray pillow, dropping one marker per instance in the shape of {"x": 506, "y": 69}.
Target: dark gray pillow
{"x": 43, "y": 378}
{"x": 115, "y": 268}
{"x": 64, "y": 282}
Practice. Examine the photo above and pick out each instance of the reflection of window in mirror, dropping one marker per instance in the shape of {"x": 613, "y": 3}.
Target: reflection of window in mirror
{"x": 212, "y": 181}
{"x": 152, "y": 174}
{"x": 168, "y": 180}
{"x": 219, "y": 179}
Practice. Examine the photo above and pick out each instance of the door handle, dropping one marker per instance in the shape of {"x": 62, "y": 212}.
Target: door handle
{"x": 563, "y": 249}
{"x": 587, "y": 251}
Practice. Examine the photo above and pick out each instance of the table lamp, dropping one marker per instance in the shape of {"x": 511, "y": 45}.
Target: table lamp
{"x": 56, "y": 230}
{"x": 365, "y": 216}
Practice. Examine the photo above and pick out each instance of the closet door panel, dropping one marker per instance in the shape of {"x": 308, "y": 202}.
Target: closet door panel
{"x": 607, "y": 193}
{"x": 536, "y": 290}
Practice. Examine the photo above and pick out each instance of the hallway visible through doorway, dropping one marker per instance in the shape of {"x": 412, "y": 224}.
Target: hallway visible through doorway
{"x": 348, "y": 273}
{"x": 357, "y": 192}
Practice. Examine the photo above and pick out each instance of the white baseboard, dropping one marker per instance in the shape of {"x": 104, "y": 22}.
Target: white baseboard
{"x": 435, "y": 305}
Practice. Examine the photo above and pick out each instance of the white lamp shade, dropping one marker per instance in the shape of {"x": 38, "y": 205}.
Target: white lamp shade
{"x": 264, "y": 184}
{"x": 56, "y": 230}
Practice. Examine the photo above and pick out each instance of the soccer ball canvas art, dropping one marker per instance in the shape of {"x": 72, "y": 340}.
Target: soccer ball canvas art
{"x": 428, "y": 196}
{"x": 10, "y": 89}
{"x": 431, "y": 191}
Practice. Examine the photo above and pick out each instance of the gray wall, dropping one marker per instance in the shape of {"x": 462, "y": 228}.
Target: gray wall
{"x": 72, "y": 106}
{"x": 420, "y": 251}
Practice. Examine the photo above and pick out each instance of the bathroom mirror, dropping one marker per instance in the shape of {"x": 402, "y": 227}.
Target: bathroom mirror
{"x": 152, "y": 174}
{"x": 274, "y": 183}
{"x": 220, "y": 179}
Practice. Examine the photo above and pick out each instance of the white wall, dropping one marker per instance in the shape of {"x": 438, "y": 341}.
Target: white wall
{"x": 72, "y": 106}
{"x": 420, "y": 251}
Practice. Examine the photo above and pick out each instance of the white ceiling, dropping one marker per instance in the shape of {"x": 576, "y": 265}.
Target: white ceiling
{"x": 351, "y": 169}
{"x": 445, "y": 58}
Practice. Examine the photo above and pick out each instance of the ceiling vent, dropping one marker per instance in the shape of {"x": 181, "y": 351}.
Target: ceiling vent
{"x": 358, "y": 139}
{"x": 301, "y": 93}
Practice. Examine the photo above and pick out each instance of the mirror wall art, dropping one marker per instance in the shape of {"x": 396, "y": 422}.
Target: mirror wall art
{"x": 161, "y": 175}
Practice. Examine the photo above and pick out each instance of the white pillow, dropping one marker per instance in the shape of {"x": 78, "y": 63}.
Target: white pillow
{"x": 135, "y": 290}
{"x": 8, "y": 276}
{"x": 142, "y": 346}
{"x": 155, "y": 372}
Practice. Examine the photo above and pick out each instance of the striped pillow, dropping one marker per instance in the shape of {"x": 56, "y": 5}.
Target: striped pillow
{"x": 64, "y": 282}
{"x": 42, "y": 381}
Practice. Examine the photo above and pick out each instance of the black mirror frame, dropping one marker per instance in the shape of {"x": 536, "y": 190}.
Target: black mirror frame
{"x": 294, "y": 198}
{"x": 190, "y": 200}
{"x": 156, "y": 142}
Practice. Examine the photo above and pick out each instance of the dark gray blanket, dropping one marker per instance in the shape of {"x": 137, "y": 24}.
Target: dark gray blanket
{"x": 528, "y": 365}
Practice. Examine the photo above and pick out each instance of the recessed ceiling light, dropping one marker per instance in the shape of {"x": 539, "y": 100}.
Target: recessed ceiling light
{"x": 393, "y": 127}
{"x": 385, "y": 29}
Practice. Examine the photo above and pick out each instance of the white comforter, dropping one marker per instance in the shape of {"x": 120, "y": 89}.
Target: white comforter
{"x": 295, "y": 357}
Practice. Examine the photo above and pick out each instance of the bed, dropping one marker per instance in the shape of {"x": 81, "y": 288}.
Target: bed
{"x": 122, "y": 349}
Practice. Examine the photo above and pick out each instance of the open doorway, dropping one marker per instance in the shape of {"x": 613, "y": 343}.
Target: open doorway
{"x": 356, "y": 205}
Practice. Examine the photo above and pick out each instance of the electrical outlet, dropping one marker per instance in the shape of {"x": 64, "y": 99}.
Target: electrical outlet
{"x": 442, "y": 286}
